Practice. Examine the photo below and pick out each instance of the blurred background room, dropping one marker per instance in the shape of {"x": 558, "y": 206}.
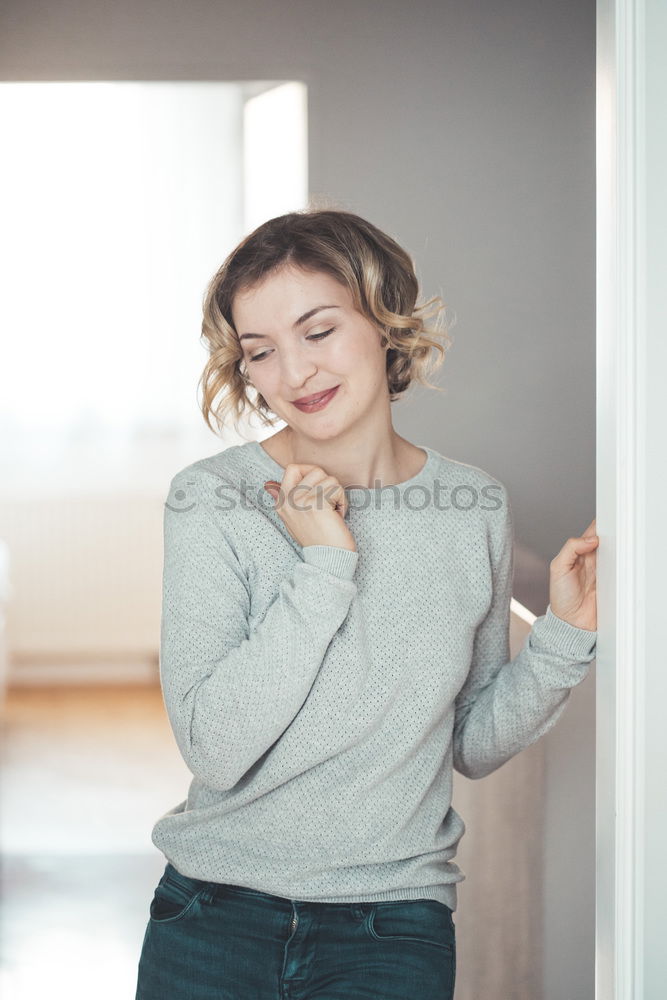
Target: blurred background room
{"x": 142, "y": 141}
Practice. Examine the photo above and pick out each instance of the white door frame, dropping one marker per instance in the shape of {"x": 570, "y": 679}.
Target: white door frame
{"x": 631, "y": 664}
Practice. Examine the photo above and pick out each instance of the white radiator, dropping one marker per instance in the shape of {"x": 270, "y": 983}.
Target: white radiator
{"x": 85, "y": 585}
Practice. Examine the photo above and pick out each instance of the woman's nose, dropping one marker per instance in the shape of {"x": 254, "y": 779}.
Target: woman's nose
{"x": 296, "y": 371}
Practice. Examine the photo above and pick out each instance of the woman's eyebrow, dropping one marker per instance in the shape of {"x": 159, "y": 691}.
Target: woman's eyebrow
{"x": 299, "y": 322}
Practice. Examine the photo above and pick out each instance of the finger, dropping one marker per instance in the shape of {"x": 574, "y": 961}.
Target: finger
{"x": 573, "y": 548}
{"x": 590, "y": 530}
{"x": 296, "y": 473}
{"x": 576, "y": 547}
{"x": 329, "y": 491}
{"x": 301, "y": 480}
{"x": 273, "y": 488}
{"x": 278, "y": 490}
{"x": 339, "y": 500}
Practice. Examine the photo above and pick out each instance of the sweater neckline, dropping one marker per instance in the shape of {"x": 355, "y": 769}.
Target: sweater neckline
{"x": 424, "y": 476}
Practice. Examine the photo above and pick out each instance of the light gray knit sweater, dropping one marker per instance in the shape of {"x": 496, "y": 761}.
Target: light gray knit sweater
{"x": 320, "y": 697}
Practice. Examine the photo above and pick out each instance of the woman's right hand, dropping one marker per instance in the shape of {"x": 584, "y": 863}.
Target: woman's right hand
{"x": 312, "y": 506}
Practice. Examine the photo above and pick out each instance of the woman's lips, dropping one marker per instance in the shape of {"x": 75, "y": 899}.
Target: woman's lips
{"x": 318, "y": 404}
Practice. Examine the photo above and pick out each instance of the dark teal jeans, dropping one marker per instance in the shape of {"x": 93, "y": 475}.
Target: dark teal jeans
{"x": 215, "y": 941}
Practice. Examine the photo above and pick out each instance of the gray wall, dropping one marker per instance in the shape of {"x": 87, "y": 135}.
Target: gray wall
{"x": 467, "y": 131}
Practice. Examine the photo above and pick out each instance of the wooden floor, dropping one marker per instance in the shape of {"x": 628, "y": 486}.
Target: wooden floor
{"x": 86, "y": 772}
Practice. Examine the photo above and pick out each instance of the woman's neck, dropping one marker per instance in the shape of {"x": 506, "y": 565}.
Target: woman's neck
{"x": 390, "y": 461}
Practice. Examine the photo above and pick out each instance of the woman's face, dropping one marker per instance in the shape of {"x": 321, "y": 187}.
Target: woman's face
{"x": 289, "y": 357}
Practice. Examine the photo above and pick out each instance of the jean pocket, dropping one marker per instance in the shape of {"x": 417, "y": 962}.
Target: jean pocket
{"x": 175, "y": 896}
{"x": 427, "y": 921}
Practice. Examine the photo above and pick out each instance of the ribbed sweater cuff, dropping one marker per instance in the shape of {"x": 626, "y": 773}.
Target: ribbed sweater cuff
{"x": 561, "y": 637}
{"x": 341, "y": 562}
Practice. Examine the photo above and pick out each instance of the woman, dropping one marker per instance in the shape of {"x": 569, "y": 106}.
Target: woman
{"x": 335, "y": 640}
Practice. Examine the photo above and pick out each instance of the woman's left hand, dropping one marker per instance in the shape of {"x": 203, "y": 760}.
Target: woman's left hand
{"x": 572, "y": 580}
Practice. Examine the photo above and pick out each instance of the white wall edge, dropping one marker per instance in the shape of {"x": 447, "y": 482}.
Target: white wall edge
{"x": 621, "y": 484}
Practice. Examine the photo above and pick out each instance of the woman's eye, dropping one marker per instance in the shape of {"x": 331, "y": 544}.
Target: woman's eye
{"x": 318, "y": 336}
{"x": 314, "y": 336}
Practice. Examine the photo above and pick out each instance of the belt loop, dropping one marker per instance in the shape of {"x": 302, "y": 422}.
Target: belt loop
{"x": 210, "y": 893}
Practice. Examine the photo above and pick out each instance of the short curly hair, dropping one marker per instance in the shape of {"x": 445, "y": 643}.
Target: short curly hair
{"x": 379, "y": 274}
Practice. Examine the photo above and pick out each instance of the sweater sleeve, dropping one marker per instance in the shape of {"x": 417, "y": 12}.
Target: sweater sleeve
{"x": 230, "y": 690}
{"x": 506, "y": 705}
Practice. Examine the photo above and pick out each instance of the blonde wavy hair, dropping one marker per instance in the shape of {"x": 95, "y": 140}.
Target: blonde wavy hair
{"x": 379, "y": 274}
